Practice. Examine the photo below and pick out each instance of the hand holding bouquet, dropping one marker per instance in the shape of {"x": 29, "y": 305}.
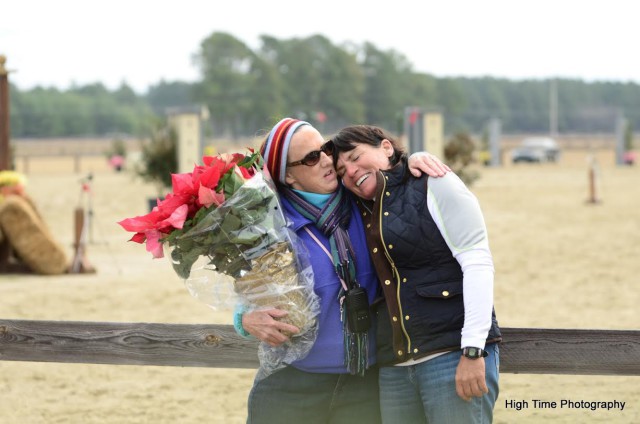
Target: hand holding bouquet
{"x": 224, "y": 220}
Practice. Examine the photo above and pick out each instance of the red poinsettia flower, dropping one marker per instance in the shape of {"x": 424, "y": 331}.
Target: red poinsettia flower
{"x": 208, "y": 197}
{"x": 190, "y": 192}
{"x": 170, "y": 214}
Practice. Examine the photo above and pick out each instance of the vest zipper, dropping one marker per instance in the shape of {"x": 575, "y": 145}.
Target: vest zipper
{"x": 394, "y": 270}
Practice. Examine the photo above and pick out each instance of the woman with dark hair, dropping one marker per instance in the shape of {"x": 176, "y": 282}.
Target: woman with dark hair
{"x": 337, "y": 382}
{"x": 437, "y": 329}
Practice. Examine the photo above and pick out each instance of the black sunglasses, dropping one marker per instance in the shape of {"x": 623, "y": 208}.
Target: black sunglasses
{"x": 313, "y": 157}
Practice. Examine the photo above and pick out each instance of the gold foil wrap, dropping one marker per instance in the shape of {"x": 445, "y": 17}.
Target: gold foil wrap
{"x": 274, "y": 282}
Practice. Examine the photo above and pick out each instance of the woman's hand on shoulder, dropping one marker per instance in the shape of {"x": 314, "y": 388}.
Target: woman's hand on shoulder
{"x": 425, "y": 162}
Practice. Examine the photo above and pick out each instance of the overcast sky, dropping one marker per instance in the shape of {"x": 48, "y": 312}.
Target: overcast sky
{"x": 62, "y": 42}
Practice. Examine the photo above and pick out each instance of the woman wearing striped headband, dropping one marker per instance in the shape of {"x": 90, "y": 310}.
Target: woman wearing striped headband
{"x": 337, "y": 381}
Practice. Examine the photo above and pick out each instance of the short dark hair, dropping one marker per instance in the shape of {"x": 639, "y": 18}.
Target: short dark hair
{"x": 348, "y": 138}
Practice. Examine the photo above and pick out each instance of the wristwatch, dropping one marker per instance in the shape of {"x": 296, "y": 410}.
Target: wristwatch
{"x": 474, "y": 353}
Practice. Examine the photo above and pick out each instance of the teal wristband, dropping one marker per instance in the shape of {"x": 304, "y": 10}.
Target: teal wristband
{"x": 237, "y": 322}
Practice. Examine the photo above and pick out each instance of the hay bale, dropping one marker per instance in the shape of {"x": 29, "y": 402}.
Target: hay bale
{"x": 30, "y": 238}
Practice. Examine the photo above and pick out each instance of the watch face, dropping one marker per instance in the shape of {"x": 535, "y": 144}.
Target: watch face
{"x": 473, "y": 352}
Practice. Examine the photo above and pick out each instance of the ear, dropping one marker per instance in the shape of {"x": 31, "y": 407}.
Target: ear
{"x": 289, "y": 179}
{"x": 387, "y": 147}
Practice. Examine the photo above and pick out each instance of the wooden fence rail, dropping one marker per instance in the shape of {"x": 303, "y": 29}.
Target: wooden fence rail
{"x": 525, "y": 350}
{"x": 76, "y": 157}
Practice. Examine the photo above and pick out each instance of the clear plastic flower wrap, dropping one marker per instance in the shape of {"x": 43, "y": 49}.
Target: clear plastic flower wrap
{"x": 238, "y": 250}
{"x": 247, "y": 238}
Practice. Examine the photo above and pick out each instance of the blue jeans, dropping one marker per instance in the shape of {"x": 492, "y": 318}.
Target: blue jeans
{"x": 426, "y": 392}
{"x": 294, "y": 396}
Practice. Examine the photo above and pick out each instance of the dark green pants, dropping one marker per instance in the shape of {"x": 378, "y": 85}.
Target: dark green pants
{"x": 294, "y": 396}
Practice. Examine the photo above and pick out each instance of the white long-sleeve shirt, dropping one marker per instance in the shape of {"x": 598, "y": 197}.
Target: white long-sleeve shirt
{"x": 457, "y": 213}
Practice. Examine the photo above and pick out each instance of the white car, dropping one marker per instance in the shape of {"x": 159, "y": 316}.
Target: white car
{"x": 536, "y": 149}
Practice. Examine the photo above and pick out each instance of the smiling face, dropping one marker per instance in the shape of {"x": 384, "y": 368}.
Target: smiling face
{"x": 319, "y": 178}
{"x": 358, "y": 167}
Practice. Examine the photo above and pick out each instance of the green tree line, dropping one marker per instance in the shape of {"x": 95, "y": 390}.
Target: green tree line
{"x": 311, "y": 78}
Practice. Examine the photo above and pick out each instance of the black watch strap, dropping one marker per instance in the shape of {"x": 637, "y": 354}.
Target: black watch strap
{"x": 474, "y": 352}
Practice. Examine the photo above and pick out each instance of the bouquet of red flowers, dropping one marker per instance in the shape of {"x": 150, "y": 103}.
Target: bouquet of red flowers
{"x": 222, "y": 222}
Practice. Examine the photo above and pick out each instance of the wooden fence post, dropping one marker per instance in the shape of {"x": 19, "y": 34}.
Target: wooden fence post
{"x": 592, "y": 176}
{"x": 5, "y": 152}
{"x": 80, "y": 263}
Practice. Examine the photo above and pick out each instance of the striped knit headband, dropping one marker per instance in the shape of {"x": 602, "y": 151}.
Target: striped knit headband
{"x": 276, "y": 148}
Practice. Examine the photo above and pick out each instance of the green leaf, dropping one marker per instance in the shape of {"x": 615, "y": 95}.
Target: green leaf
{"x": 232, "y": 183}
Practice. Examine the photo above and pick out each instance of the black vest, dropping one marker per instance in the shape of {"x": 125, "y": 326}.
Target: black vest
{"x": 431, "y": 304}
